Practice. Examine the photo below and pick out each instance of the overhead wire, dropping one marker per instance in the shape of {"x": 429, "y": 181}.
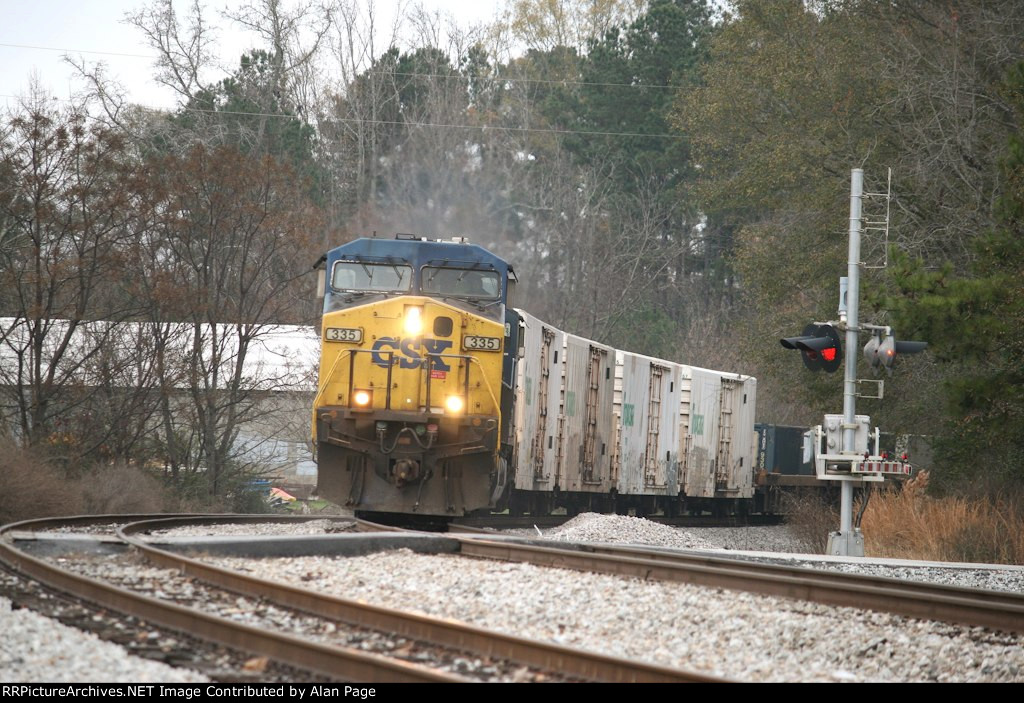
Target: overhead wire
{"x": 410, "y": 74}
{"x": 362, "y": 121}
{"x": 396, "y": 123}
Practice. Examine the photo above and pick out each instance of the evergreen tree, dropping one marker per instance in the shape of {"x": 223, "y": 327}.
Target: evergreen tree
{"x": 976, "y": 323}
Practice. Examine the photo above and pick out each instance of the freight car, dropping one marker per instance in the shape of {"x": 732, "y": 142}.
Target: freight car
{"x": 437, "y": 397}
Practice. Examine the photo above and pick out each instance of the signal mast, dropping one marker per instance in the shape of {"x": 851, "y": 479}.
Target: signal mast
{"x": 841, "y": 446}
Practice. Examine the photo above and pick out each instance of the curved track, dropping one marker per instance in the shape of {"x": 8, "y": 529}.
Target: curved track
{"x": 335, "y": 662}
{"x": 996, "y": 610}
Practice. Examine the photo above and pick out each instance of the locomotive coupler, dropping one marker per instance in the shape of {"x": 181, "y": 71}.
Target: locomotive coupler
{"x": 405, "y": 471}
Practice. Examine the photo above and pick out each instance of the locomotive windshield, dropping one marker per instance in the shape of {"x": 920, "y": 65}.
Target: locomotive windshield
{"x": 372, "y": 277}
{"x": 468, "y": 283}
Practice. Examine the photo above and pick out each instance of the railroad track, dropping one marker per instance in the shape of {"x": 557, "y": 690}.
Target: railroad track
{"x": 336, "y": 662}
{"x": 994, "y": 609}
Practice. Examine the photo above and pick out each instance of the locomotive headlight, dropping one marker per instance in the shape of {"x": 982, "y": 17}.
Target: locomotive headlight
{"x": 362, "y": 398}
{"x": 454, "y": 404}
{"x": 413, "y": 321}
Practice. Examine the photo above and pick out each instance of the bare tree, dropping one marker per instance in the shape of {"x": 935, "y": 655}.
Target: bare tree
{"x": 293, "y": 38}
{"x": 63, "y": 209}
{"x": 221, "y": 265}
{"x": 184, "y": 48}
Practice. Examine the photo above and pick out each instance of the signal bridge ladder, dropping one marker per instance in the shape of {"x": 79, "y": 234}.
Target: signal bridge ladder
{"x": 875, "y": 227}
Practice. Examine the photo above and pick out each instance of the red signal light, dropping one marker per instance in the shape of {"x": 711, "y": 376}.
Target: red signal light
{"x": 819, "y": 346}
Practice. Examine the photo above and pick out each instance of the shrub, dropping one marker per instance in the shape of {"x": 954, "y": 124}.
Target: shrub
{"x": 32, "y": 487}
{"x": 123, "y": 488}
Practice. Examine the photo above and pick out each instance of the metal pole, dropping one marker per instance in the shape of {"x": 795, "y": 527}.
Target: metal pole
{"x": 850, "y": 382}
{"x": 852, "y": 309}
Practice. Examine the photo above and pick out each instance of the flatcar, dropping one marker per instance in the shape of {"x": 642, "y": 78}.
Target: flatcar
{"x": 436, "y": 397}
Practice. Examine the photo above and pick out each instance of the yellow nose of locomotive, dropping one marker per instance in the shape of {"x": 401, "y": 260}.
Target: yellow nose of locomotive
{"x": 411, "y": 355}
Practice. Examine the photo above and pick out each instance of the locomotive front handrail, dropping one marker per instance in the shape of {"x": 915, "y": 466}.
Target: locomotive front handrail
{"x": 320, "y": 392}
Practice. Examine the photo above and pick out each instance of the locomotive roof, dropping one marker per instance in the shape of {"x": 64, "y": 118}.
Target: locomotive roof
{"x": 419, "y": 252}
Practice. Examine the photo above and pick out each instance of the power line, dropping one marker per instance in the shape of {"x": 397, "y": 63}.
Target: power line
{"x": 396, "y": 123}
{"x": 505, "y": 79}
{"x": 493, "y": 79}
{"x": 76, "y": 51}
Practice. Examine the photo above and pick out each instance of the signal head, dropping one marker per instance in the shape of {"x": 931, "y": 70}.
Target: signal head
{"x": 819, "y": 346}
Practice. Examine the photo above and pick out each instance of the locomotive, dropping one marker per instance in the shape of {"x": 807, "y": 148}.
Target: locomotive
{"x": 437, "y": 398}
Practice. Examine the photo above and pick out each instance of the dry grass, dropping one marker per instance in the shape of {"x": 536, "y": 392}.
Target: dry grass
{"x": 123, "y": 488}
{"x": 30, "y": 487}
{"x": 811, "y": 516}
{"x": 33, "y": 486}
{"x": 909, "y": 524}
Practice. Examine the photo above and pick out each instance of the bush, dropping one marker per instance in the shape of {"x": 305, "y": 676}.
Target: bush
{"x": 32, "y": 487}
{"x": 123, "y": 488}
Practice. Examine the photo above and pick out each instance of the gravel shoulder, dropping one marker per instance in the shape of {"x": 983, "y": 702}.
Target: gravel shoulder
{"x": 35, "y": 649}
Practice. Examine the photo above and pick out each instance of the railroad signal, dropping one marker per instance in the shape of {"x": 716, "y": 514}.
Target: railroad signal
{"x": 882, "y": 349}
{"x": 820, "y": 347}
{"x": 873, "y": 352}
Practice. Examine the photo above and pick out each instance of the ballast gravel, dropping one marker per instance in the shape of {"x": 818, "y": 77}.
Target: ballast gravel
{"x": 625, "y": 529}
{"x": 37, "y": 649}
{"x": 726, "y": 633}
{"x": 591, "y": 527}
{"x": 737, "y": 635}
{"x": 310, "y": 527}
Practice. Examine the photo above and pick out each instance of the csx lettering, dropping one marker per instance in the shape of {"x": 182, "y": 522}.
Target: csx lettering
{"x": 410, "y": 352}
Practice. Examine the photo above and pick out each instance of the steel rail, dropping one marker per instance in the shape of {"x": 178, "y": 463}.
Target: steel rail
{"x": 551, "y": 657}
{"x": 1001, "y": 598}
{"x": 993, "y": 609}
{"x": 332, "y": 661}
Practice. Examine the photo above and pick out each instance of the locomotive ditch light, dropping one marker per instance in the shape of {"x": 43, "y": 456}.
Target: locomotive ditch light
{"x": 413, "y": 322}
{"x": 454, "y": 404}
{"x": 362, "y": 398}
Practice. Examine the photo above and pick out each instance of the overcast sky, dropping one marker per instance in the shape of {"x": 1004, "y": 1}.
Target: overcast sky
{"x": 94, "y": 30}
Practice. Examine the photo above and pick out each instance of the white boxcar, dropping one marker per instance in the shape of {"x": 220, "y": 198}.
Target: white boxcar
{"x": 737, "y": 446}
{"x": 648, "y": 393}
{"x": 538, "y": 405}
{"x": 593, "y": 420}
{"x": 718, "y": 441}
{"x": 699, "y": 418}
{"x": 588, "y": 421}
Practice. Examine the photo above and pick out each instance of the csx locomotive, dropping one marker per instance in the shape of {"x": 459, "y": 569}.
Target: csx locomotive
{"x": 437, "y": 398}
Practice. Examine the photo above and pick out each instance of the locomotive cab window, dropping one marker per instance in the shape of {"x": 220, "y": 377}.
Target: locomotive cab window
{"x": 468, "y": 283}
{"x": 371, "y": 277}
